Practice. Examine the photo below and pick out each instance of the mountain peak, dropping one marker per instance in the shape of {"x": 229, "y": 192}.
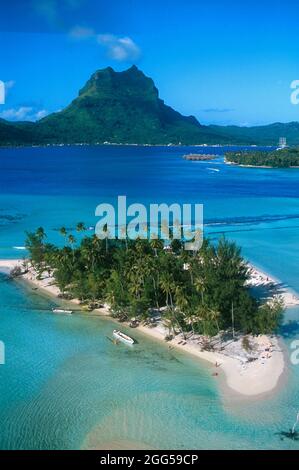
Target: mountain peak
{"x": 133, "y": 68}
{"x": 121, "y": 107}
{"x": 110, "y": 71}
{"x": 127, "y": 84}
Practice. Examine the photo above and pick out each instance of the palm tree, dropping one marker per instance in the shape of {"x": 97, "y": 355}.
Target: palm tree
{"x": 80, "y": 227}
{"x": 156, "y": 244}
{"x": 199, "y": 284}
{"x": 106, "y": 231}
{"x": 87, "y": 254}
{"x": 167, "y": 285}
{"x": 72, "y": 241}
{"x": 214, "y": 316}
{"x": 137, "y": 275}
{"x": 191, "y": 320}
{"x": 181, "y": 299}
{"x": 96, "y": 250}
{"x": 135, "y": 284}
{"x": 41, "y": 234}
{"x": 182, "y": 304}
{"x": 123, "y": 231}
{"x": 63, "y": 232}
{"x": 152, "y": 271}
{"x": 169, "y": 321}
{"x": 202, "y": 317}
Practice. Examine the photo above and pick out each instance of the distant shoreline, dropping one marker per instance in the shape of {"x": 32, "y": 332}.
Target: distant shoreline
{"x": 248, "y": 379}
{"x": 266, "y": 167}
{"x": 114, "y": 144}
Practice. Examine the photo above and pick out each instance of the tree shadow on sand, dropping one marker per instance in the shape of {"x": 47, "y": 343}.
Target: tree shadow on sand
{"x": 294, "y": 436}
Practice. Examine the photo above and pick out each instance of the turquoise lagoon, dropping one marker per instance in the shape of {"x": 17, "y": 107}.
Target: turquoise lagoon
{"x": 64, "y": 385}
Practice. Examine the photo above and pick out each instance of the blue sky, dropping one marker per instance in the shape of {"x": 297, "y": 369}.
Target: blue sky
{"x": 226, "y": 62}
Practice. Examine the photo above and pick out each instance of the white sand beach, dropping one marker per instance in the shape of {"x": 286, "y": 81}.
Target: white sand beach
{"x": 6, "y": 265}
{"x": 248, "y": 371}
{"x": 247, "y": 374}
{"x": 266, "y": 286}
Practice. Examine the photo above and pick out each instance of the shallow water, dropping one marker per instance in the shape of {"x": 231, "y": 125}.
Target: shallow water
{"x": 62, "y": 185}
{"x": 64, "y": 385}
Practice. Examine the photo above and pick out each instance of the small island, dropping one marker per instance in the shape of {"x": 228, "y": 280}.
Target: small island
{"x": 202, "y": 303}
{"x": 199, "y": 157}
{"x": 280, "y": 158}
{"x": 196, "y": 290}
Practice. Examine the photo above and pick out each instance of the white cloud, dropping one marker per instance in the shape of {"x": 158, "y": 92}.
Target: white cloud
{"x": 16, "y": 114}
{"x": 23, "y": 113}
{"x": 119, "y": 48}
{"x": 81, "y": 32}
{"x": 40, "y": 114}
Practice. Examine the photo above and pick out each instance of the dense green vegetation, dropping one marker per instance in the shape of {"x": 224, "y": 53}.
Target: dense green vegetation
{"x": 261, "y": 135}
{"x": 283, "y": 158}
{"x": 198, "y": 290}
{"x": 16, "y": 133}
{"x": 124, "y": 107}
{"x": 118, "y": 107}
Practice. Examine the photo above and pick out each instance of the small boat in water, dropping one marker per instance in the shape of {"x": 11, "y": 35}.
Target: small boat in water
{"x": 213, "y": 169}
{"x": 61, "y": 310}
{"x": 122, "y": 337}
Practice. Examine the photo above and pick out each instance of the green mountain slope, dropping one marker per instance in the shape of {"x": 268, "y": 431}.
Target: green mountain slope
{"x": 124, "y": 107}
{"x": 16, "y": 133}
{"x": 261, "y": 135}
{"x": 119, "y": 107}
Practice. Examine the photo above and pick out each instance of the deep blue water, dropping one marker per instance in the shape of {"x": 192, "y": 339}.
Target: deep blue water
{"x": 63, "y": 380}
{"x": 57, "y": 186}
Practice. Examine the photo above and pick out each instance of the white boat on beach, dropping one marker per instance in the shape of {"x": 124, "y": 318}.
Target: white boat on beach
{"x": 122, "y": 337}
{"x": 62, "y": 310}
